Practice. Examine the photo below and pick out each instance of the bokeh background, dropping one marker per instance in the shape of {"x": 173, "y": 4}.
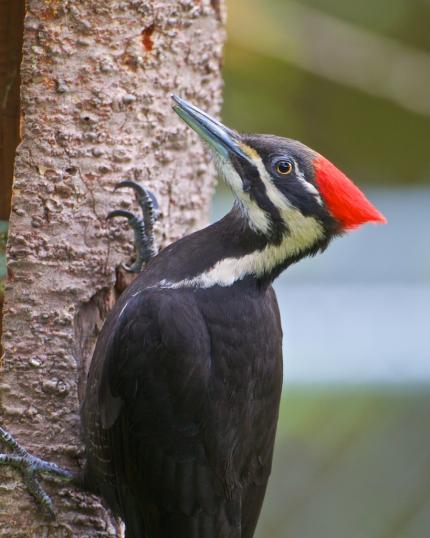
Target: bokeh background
{"x": 351, "y": 80}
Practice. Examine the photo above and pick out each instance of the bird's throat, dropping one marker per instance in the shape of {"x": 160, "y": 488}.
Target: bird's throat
{"x": 262, "y": 261}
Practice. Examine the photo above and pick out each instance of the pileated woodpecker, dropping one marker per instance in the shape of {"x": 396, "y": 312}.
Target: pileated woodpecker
{"x": 183, "y": 392}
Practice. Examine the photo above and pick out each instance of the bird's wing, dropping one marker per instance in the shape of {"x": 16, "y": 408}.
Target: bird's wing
{"x": 153, "y": 403}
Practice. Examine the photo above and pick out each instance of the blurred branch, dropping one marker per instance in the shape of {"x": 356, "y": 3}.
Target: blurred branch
{"x": 334, "y": 49}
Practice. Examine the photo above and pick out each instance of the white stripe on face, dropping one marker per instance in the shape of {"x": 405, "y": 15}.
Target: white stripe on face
{"x": 274, "y": 194}
{"x": 258, "y": 219}
{"x": 303, "y": 233}
{"x": 306, "y": 185}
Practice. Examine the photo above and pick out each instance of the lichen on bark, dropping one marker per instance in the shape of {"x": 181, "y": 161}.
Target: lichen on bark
{"x": 95, "y": 110}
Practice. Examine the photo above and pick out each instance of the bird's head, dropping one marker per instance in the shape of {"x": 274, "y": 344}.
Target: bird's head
{"x": 285, "y": 188}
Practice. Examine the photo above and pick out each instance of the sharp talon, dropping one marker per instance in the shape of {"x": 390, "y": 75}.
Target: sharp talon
{"x": 145, "y": 198}
{"x": 121, "y": 213}
{"x": 155, "y": 206}
{"x": 144, "y": 242}
{"x": 31, "y": 467}
{"x": 40, "y": 495}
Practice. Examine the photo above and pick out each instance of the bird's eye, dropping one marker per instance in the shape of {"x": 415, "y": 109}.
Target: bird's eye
{"x": 284, "y": 168}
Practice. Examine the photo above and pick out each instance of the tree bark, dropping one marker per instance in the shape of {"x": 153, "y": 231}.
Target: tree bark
{"x": 95, "y": 84}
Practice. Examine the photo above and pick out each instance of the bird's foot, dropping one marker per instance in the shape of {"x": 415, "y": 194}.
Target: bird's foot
{"x": 143, "y": 227}
{"x": 32, "y": 469}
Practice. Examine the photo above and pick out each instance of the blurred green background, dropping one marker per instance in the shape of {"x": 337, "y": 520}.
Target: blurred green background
{"x": 351, "y": 80}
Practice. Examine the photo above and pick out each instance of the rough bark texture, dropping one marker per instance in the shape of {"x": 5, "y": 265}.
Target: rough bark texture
{"x": 96, "y": 79}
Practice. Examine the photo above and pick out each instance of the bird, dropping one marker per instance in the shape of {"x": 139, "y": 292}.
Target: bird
{"x": 183, "y": 391}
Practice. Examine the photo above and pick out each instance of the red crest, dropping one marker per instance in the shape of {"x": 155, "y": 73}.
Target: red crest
{"x": 343, "y": 198}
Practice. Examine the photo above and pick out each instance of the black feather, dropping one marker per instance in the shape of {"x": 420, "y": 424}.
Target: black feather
{"x": 183, "y": 394}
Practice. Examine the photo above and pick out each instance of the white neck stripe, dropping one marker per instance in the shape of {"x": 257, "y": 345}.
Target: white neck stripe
{"x": 305, "y": 231}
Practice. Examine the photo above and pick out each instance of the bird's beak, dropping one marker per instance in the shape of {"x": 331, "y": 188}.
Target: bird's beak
{"x": 223, "y": 140}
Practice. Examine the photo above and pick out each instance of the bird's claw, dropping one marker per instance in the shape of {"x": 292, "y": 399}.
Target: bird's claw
{"x": 143, "y": 227}
{"x": 145, "y": 198}
{"x": 32, "y": 468}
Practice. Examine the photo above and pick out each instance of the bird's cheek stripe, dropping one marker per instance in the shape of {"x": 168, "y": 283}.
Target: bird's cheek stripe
{"x": 343, "y": 198}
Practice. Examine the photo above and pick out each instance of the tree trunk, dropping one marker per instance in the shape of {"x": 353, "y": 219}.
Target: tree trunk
{"x": 95, "y": 109}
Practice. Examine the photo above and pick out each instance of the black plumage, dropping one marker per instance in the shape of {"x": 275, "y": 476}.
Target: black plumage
{"x": 184, "y": 387}
{"x": 183, "y": 396}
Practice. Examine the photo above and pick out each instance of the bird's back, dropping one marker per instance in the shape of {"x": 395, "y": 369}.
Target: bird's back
{"x": 181, "y": 408}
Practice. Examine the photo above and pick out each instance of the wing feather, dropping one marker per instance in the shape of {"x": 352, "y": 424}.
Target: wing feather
{"x": 151, "y": 393}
